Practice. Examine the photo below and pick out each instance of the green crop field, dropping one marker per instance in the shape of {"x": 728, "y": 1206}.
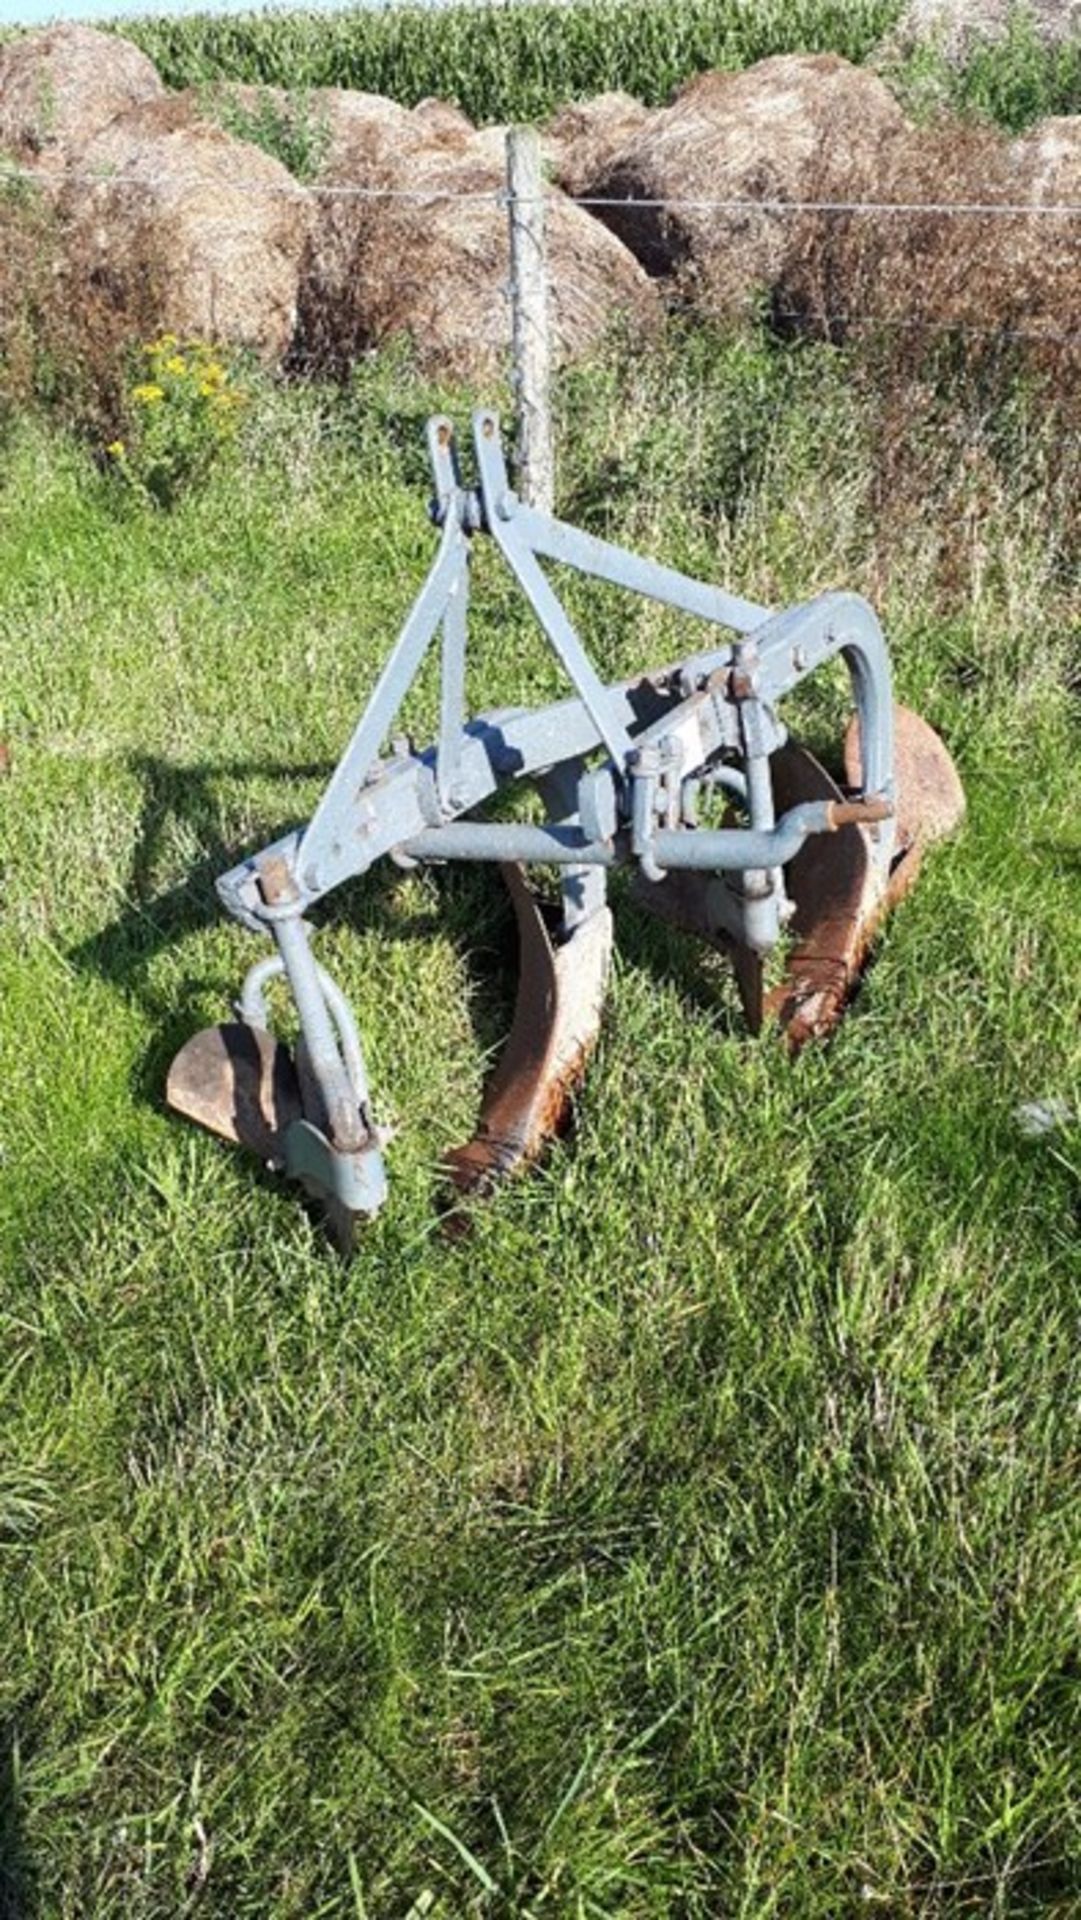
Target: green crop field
{"x": 699, "y": 1537}
{"x": 522, "y": 60}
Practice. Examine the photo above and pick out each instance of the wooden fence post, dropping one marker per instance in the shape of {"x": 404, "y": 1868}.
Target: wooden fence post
{"x": 530, "y": 324}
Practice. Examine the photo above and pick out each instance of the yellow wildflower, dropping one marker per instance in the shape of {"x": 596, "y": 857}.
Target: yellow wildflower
{"x": 147, "y": 393}
{"x": 116, "y": 449}
{"x": 214, "y": 374}
{"x": 176, "y": 364}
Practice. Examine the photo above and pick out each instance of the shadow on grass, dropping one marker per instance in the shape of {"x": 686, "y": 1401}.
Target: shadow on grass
{"x": 471, "y": 910}
{"x": 18, "y": 1897}
{"x": 123, "y": 950}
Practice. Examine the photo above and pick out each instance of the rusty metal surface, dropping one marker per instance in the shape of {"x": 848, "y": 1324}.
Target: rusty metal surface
{"x": 833, "y": 887}
{"x": 840, "y": 901}
{"x": 556, "y": 1020}
{"x": 930, "y": 797}
{"x": 240, "y": 1083}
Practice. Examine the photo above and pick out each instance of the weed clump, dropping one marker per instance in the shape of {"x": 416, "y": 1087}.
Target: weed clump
{"x": 67, "y": 320}
{"x": 962, "y": 257}
{"x": 182, "y": 413}
{"x": 288, "y": 125}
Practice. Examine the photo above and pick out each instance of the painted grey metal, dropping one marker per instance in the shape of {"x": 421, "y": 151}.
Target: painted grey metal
{"x": 553, "y": 540}
{"x": 621, "y": 769}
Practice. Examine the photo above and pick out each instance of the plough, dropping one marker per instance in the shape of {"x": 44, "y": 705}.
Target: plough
{"x": 633, "y": 773}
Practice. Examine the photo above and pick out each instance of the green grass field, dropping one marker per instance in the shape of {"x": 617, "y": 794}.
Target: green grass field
{"x": 700, "y": 1536}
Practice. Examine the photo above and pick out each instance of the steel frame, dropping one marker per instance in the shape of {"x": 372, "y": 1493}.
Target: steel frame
{"x": 620, "y": 768}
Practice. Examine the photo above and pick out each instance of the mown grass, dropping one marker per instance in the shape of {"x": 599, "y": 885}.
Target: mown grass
{"x": 700, "y": 1536}
{"x": 520, "y": 61}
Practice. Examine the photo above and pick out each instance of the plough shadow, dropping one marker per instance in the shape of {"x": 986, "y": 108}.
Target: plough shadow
{"x": 471, "y": 908}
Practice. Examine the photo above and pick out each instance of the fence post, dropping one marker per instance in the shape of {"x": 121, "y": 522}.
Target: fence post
{"x": 529, "y": 309}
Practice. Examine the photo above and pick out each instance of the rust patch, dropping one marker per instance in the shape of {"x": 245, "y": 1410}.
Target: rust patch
{"x": 839, "y": 896}
{"x": 557, "y": 1013}
{"x": 840, "y": 899}
{"x": 238, "y": 1082}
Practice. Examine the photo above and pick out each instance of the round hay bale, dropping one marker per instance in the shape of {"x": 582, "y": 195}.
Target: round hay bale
{"x": 790, "y": 128}
{"x": 60, "y": 87}
{"x": 433, "y": 262}
{"x": 217, "y": 225}
{"x": 246, "y": 96}
{"x": 363, "y": 132}
{"x": 439, "y": 118}
{"x": 581, "y": 140}
{"x": 994, "y": 277}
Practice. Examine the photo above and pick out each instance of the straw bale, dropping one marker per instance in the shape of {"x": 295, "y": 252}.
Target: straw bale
{"x": 434, "y": 262}
{"x": 581, "y": 140}
{"x": 992, "y": 276}
{"x": 956, "y": 27}
{"x": 220, "y": 225}
{"x": 761, "y": 135}
{"x": 60, "y": 87}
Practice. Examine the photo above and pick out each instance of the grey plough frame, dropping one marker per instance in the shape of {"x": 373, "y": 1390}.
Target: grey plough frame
{"x": 622, "y": 770}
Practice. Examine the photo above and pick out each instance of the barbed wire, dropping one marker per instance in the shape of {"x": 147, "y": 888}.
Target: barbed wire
{"x": 1004, "y": 208}
{"x": 500, "y": 196}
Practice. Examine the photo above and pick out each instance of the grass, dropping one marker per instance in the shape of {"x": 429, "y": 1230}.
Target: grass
{"x": 700, "y": 1536}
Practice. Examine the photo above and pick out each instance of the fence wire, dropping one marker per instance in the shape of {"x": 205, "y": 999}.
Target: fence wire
{"x": 177, "y": 184}
{"x": 500, "y": 196}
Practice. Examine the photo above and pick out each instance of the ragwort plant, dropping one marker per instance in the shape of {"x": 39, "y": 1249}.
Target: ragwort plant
{"x": 182, "y": 415}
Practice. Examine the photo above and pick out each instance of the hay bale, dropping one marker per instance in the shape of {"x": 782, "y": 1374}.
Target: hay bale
{"x": 994, "y": 277}
{"x": 343, "y": 117}
{"x": 775, "y": 132}
{"x": 439, "y": 118}
{"x": 215, "y": 97}
{"x": 60, "y": 87}
{"x": 956, "y": 27}
{"x": 363, "y": 132}
{"x": 434, "y": 264}
{"x": 581, "y": 140}
{"x": 218, "y": 226}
